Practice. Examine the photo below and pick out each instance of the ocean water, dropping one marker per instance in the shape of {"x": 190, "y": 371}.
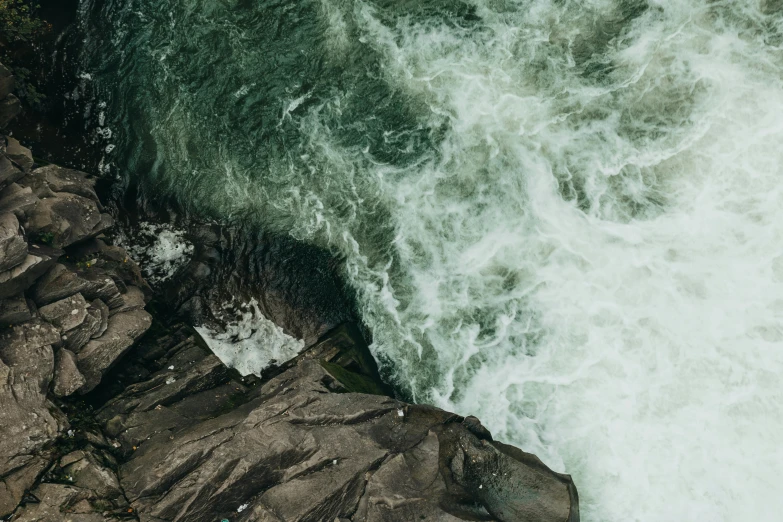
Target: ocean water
{"x": 564, "y": 217}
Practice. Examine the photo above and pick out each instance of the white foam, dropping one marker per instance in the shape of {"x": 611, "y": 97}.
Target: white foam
{"x": 634, "y": 340}
{"x": 160, "y": 250}
{"x": 250, "y": 342}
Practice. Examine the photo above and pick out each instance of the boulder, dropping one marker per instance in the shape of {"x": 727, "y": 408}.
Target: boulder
{"x": 13, "y": 247}
{"x": 61, "y": 282}
{"x": 14, "y": 310}
{"x": 66, "y": 219}
{"x": 67, "y": 378}
{"x": 51, "y": 179}
{"x": 22, "y": 276}
{"x": 17, "y": 199}
{"x": 10, "y": 107}
{"x": 88, "y": 329}
{"x": 67, "y": 313}
{"x": 100, "y": 354}
{"x": 20, "y": 155}
{"x": 27, "y": 349}
{"x": 9, "y": 173}
{"x": 303, "y": 446}
{"x": 29, "y": 426}
{"x": 86, "y": 471}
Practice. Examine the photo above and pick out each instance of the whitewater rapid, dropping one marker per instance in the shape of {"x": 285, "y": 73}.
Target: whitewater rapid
{"x": 563, "y": 217}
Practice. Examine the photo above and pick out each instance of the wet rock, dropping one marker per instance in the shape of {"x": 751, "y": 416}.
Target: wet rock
{"x": 67, "y": 378}
{"x": 100, "y": 354}
{"x": 294, "y": 449}
{"x": 67, "y": 313}
{"x": 66, "y": 219}
{"x": 22, "y": 276}
{"x": 14, "y": 310}
{"x": 10, "y": 107}
{"x": 13, "y": 247}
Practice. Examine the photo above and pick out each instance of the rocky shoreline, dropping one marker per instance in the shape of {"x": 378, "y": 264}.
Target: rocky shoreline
{"x": 107, "y": 412}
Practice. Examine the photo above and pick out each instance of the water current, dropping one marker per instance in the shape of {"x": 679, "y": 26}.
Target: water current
{"x": 564, "y": 217}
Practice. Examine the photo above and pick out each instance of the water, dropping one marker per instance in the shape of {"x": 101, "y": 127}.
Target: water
{"x": 563, "y": 217}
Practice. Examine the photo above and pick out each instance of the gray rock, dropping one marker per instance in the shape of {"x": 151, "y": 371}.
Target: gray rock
{"x": 61, "y": 282}
{"x": 100, "y": 354}
{"x": 29, "y": 425}
{"x": 66, "y": 219}
{"x": 89, "y": 328}
{"x": 133, "y": 299}
{"x": 67, "y": 378}
{"x": 14, "y": 310}
{"x": 27, "y": 349}
{"x": 66, "y": 503}
{"x": 19, "y": 154}
{"x": 294, "y": 450}
{"x": 10, "y": 107}
{"x": 17, "y": 199}
{"x": 7, "y": 81}
{"x": 22, "y": 276}
{"x": 51, "y": 179}
{"x": 86, "y": 472}
{"x": 9, "y": 173}
{"x": 103, "y": 309}
{"x": 67, "y": 313}
{"x": 13, "y": 247}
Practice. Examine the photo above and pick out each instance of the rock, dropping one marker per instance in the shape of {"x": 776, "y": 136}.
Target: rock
{"x": 60, "y": 282}
{"x": 103, "y": 309}
{"x": 100, "y": 354}
{"x": 87, "y": 472}
{"x": 51, "y": 179}
{"x": 14, "y": 310}
{"x": 28, "y": 428}
{"x": 66, "y": 219}
{"x": 17, "y": 199}
{"x": 133, "y": 299}
{"x": 67, "y": 313}
{"x": 21, "y": 277}
{"x": 89, "y": 328}
{"x": 10, "y": 107}
{"x": 19, "y": 154}
{"x": 7, "y": 81}
{"x": 294, "y": 450}
{"x": 66, "y": 503}
{"x": 67, "y": 378}
{"x": 27, "y": 349}
{"x": 13, "y": 247}
{"x": 9, "y": 173}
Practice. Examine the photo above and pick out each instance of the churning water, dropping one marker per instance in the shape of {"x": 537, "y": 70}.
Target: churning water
{"x": 564, "y": 217}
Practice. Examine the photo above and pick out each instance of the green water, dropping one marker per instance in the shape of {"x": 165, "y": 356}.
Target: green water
{"x": 563, "y": 217}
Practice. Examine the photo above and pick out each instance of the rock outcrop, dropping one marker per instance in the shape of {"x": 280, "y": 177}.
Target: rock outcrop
{"x": 53, "y": 342}
{"x": 170, "y": 433}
